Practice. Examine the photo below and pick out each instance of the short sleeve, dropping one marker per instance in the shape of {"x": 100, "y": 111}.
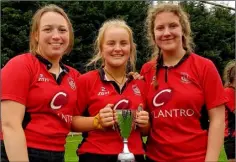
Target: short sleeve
{"x": 230, "y": 94}
{"x": 212, "y": 85}
{"x": 82, "y": 95}
{"x": 147, "y": 71}
{"x": 16, "y": 79}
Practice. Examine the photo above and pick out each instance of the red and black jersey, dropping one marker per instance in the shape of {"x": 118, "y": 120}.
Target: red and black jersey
{"x": 94, "y": 94}
{"x": 229, "y": 112}
{"x": 176, "y": 107}
{"x": 50, "y": 103}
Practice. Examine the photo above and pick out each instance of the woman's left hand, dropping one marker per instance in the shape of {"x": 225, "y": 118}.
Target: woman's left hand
{"x": 142, "y": 119}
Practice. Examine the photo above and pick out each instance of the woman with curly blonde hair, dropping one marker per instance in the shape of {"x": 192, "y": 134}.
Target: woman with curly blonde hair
{"x": 181, "y": 92}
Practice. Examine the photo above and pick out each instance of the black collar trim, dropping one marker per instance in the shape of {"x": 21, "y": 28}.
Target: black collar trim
{"x": 160, "y": 61}
{"x": 49, "y": 64}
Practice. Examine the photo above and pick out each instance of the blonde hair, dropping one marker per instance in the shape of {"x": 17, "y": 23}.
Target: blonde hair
{"x": 100, "y": 38}
{"x": 229, "y": 73}
{"x": 184, "y": 21}
{"x": 36, "y": 22}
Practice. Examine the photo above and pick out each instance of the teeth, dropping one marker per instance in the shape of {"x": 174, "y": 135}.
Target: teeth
{"x": 55, "y": 44}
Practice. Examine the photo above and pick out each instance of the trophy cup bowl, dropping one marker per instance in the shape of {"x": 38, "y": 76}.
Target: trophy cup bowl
{"x": 125, "y": 125}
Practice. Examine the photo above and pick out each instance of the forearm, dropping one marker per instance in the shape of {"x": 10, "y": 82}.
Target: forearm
{"x": 215, "y": 140}
{"x": 82, "y": 124}
{"x": 15, "y": 144}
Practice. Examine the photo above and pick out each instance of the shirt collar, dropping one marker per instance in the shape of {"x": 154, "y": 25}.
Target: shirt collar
{"x": 49, "y": 64}
{"x": 160, "y": 60}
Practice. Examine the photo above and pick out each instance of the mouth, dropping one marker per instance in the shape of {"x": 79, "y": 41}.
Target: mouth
{"x": 117, "y": 55}
{"x": 165, "y": 40}
{"x": 55, "y": 44}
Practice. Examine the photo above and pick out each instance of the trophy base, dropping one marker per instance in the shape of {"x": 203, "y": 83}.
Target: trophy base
{"x": 126, "y": 157}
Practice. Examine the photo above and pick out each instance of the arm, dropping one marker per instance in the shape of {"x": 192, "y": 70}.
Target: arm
{"x": 104, "y": 119}
{"x": 216, "y": 133}
{"x": 12, "y": 114}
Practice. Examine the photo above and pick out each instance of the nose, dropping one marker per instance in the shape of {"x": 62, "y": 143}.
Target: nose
{"x": 55, "y": 34}
{"x": 117, "y": 47}
{"x": 166, "y": 32}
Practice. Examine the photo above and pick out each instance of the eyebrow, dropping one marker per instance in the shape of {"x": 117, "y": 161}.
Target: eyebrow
{"x": 48, "y": 25}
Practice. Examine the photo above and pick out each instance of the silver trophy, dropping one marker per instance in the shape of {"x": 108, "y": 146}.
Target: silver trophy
{"x": 125, "y": 125}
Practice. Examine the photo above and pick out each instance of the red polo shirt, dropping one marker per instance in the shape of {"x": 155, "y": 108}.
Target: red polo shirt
{"x": 229, "y": 112}
{"x": 94, "y": 95}
{"x": 176, "y": 107}
{"x": 49, "y": 103}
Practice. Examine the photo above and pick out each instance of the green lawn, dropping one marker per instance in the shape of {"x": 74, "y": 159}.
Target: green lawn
{"x": 72, "y": 144}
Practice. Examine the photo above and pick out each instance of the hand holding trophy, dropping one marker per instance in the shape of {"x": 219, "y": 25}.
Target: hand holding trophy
{"x": 125, "y": 124}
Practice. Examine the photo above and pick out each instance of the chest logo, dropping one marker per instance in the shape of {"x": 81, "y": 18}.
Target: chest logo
{"x": 136, "y": 90}
{"x": 71, "y": 83}
{"x": 59, "y": 100}
{"x": 162, "y": 97}
{"x": 103, "y": 92}
{"x": 184, "y": 77}
{"x": 42, "y": 78}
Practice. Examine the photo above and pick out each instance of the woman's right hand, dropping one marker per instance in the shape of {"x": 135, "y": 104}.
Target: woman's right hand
{"x": 106, "y": 116}
{"x": 136, "y": 75}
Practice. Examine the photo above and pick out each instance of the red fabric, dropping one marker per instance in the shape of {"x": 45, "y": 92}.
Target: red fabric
{"x": 176, "y": 133}
{"x": 94, "y": 95}
{"x": 26, "y": 80}
{"x": 230, "y": 94}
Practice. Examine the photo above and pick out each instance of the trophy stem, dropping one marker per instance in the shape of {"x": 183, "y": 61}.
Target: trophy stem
{"x": 125, "y": 149}
{"x": 126, "y": 156}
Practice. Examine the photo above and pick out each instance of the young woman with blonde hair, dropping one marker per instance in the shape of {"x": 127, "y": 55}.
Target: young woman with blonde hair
{"x": 102, "y": 89}
{"x": 183, "y": 88}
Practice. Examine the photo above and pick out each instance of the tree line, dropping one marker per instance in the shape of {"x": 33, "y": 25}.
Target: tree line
{"x": 213, "y": 29}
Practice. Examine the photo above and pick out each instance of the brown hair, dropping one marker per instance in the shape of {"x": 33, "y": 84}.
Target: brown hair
{"x": 229, "y": 73}
{"x": 153, "y": 11}
{"x": 36, "y": 22}
{"x": 100, "y": 38}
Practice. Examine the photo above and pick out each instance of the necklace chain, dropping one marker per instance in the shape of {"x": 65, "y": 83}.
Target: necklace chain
{"x": 120, "y": 83}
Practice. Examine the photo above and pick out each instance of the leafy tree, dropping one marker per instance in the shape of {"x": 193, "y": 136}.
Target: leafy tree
{"x": 213, "y": 29}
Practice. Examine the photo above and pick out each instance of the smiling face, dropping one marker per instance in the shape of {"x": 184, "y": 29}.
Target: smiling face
{"x": 53, "y": 35}
{"x": 168, "y": 31}
{"x": 116, "y": 47}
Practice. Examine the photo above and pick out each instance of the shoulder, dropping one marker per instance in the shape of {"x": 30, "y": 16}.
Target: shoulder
{"x": 21, "y": 61}
{"x": 149, "y": 65}
{"x": 200, "y": 61}
{"x": 229, "y": 90}
{"x": 25, "y": 58}
{"x": 73, "y": 70}
{"x": 91, "y": 75}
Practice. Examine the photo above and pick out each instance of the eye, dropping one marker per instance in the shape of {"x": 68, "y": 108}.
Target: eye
{"x": 160, "y": 28}
{"x": 173, "y": 25}
{"x": 124, "y": 43}
{"x": 47, "y": 29}
{"x": 111, "y": 43}
{"x": 62, "y": 30}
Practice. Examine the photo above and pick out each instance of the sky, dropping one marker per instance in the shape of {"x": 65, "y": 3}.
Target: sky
{"x": 226, "y": 3}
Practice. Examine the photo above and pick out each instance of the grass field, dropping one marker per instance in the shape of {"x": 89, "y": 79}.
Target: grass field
{"x": 72, "y": 144}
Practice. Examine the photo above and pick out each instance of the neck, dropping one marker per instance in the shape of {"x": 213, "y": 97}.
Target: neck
{"x": 55, "y": 64}
{"x": 116, "y": 74}
{"x": 171, "y": 58}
